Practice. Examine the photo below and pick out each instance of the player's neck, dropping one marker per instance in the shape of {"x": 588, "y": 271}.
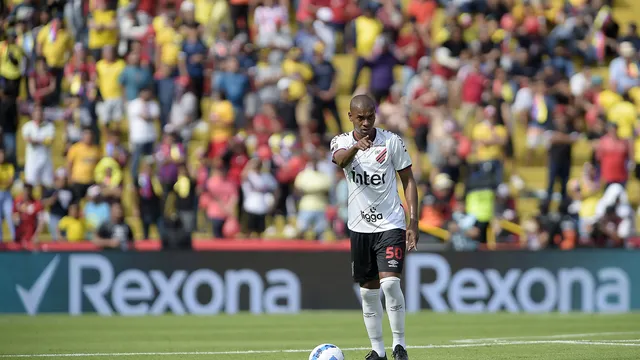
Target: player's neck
{"x": 372, "y": 134}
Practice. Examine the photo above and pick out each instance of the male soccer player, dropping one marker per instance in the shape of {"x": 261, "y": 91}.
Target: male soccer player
{"x": 370, "y": 158}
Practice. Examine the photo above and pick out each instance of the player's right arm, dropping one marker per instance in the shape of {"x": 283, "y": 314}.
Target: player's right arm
{"x": 343, "y": 155}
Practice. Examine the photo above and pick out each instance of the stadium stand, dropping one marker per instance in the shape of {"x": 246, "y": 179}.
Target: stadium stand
{"x": 212, "y": 117}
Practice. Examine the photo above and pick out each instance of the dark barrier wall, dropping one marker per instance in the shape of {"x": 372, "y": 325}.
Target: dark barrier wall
{"x": 111, "y": 283}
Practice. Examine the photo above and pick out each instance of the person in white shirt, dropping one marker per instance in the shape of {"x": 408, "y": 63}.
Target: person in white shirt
{"x": 143, "y": 113}
{"x": 38, "y": 134}
{"x": 258, "y": 188}
{"x": 370, "y": 158}
{"x": 184, "y": 109}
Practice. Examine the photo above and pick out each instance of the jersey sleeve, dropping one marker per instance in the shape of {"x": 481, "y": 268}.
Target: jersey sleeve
{"x": 339, "y": 142}
{"x": 400, "y": 155}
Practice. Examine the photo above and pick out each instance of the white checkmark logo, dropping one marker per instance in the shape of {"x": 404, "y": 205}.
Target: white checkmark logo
{"x": 31, "y": 298}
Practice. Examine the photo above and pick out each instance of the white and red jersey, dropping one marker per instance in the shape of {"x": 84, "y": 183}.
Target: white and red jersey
{"x": 374, "y": 204}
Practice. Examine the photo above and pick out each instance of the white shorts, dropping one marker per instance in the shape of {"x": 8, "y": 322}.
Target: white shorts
{"x": 39, "y": 173}
{"x": 110, "y": 110}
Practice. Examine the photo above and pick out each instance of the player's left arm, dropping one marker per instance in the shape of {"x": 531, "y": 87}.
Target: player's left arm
{"x": 402, "y": 164}
{"x": 411, "y": 194}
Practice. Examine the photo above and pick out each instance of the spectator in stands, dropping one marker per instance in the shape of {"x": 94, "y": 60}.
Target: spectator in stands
{"x": 103, "y": 29}
{"x": 313, "y": 185}
{"x": 561, "y": 140}
{"x": 437, "y": 205}
{"x": 184, "y": 110}
{"x": 192, "y": 61}
{"x": 613, "y": 154}
{"x": 7, "y": 175}
{"x": 381, "y": 63}
{"x": 114, "y": 233}
{"x": 219, "y": 200}
{"x": 82, "y": 159}
{"x": 42, "y": 84}
{"x": 12, "y": 60}
{"x": 109, "y": 176}
{"x": 365, "y": 32}
{"x": 392, "y": 113}
{"x": 77, "y": 118}
{"x": 169, "y": 155}
{"x": 57, "y": 200}
{"x": 489, "y": 139}
{"x": 149, "y": 204}
{"x": 631, "y": 35}
{"x": 463, "y": 229}
{"x": 221, "y": 118}
{"x": 134, "y": 77}
{"x": 54, "y": 43}
{"x": 142, "y": 113}
{"x": 324, "y": 88}
{"x": 186, "y": 203}
{"x": 80, "y": 65}
{"x": 624, "y": 72}
{"x": 111, "y": 108}
{"x": 27, "y": 214}
{"x": 72, "y": 227}
{"x": 38, "y": 135}
{"x": 258, "y": 188}
{"x": 325, "y": 30}
{"x": 268, "y": 16}
{"x": 234, "y": 84}
{"x": 114, "y": 148}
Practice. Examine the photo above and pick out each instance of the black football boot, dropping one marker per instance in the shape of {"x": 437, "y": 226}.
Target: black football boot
{"x": 399, "y": 353}
{"x": 372, "y": 355}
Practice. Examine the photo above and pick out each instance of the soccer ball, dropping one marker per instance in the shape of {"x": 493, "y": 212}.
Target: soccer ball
{"x": 326, "y": 352}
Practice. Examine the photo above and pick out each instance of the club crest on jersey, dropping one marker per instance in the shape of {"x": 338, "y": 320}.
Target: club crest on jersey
{"x": 382, "y": 156}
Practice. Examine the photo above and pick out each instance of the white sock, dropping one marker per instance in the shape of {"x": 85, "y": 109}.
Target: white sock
{"x": 372, "y": 314}
{"x": 395, "y": 308}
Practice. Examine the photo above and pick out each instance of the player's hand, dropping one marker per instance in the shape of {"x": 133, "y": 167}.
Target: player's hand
{"x": 412, "y": 236}
{"x": 364, "y": 143}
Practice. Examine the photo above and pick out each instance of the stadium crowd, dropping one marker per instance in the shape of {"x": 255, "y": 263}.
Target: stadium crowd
{"x": 214, "y": 116}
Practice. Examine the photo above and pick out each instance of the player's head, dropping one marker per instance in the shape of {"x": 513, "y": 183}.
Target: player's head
{"x": 362, "y": 113}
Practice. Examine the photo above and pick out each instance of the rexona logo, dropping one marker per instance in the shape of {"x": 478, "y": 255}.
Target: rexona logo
{"x": 472, "y": 290}
{"x": 367, "y": 179}
{"x": 138, "y": 292}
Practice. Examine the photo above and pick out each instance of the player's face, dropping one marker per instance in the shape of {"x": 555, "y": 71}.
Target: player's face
{"x": 363, "y": 120}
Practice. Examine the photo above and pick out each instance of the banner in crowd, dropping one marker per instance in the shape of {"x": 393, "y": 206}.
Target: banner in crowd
{"x": 111, "y": 283}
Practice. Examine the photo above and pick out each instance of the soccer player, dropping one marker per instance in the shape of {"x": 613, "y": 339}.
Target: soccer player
{"x": 370, "y": 158}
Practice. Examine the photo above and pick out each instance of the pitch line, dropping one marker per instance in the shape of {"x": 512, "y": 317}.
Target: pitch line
{"x": 262, "y": 352}
{"x": 557, "y": 336}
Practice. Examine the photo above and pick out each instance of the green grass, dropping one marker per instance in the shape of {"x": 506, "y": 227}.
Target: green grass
{"x": 553, "y": 336}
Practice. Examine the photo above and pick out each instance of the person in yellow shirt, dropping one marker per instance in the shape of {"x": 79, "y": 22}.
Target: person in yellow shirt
{"x": 108, "y": 72}
{"x": 314, "y": 186}
{"x": 625, "y": 115}
{"x": 54, "y": 43}
{"x": 366, "y": 30}
{"x": 489, "y": 140}
{"x": 72, "y": 227}
{"x": 7, "y": 173}
{"x": 168, "y": 41}
{"x": 103, "y": 28}
{"x": 221, "y": 117}
{"x": 12, "y": 59}
{"x": 82, "y": 159}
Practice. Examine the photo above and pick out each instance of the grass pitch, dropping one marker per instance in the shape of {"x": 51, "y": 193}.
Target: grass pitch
{"x": 288, "y": 337}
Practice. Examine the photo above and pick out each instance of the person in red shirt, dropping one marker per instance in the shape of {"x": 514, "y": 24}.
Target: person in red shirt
{"x": 424, "y": 101}
{"x": 266, "y": 123}
{"x": 42, "y": 84}
{"x": 613, "y": 154}
{"x": 412, "y": 43}
{"x": 27, "y": 213}
{"x": 473, "y": 85}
